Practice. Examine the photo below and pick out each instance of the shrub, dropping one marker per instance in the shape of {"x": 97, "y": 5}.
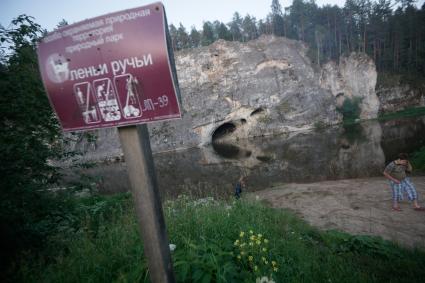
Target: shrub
{"x": 350, "y": 109}
{"x": 418, "y": 159}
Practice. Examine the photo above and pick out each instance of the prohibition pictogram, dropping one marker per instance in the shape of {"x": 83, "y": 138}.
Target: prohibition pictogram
{"x": 128, "y": 90}
{"x": 107, "y": 100}
{"x": 86, "y": 102}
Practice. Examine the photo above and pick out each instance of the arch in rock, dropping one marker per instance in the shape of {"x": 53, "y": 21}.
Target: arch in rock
{"x": 223, "y": 130}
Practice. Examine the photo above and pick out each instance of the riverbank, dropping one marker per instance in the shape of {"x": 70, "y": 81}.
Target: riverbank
{"x": 356, "y": 206}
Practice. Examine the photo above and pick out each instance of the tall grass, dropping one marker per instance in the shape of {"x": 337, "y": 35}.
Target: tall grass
{"x": 208, "y": 239}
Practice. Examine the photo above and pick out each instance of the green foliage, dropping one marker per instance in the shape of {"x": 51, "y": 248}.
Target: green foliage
{"x": 389, "y": 79}
{"x": 253, "y": 255}
{"x": 418, "y": 159}
{"x": 390, "y": 34}
{"x": 103, "y": 245}
{"x": 29, "y": 138}
{"x": 350, "y": 109}
{"x": 205, "y": 233}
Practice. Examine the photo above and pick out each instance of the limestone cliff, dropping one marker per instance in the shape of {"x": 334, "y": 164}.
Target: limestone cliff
{"x": 354, "y": 77}
{"x": 233, "y": 90}
{"x": 399, "y": 97}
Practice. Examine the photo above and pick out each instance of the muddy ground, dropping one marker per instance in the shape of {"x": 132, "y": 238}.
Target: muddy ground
{"x": 356, "y": 206}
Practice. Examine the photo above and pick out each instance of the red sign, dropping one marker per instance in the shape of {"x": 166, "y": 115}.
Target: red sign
{"x": 113, "y": 70}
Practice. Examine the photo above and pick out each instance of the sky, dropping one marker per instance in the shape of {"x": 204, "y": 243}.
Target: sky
{"x": 48, "y": 13}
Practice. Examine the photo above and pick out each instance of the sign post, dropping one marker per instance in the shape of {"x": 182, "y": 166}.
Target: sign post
{"x": 141, "y": 170}
{"x": 117, "y": 70}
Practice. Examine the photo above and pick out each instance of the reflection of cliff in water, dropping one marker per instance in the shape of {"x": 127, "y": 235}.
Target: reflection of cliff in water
{"x": 336, "y": 153}
{"x": 404, "y": 135}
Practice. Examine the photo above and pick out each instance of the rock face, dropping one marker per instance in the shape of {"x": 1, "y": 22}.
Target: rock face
{"x": 262, "y": 87}
{"x": 354, "y": 78}
{"x": 233, "y": 90}
{"x": 399, "y": 98}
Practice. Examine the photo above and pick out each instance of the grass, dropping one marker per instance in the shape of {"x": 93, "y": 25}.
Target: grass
{"x": 207, "y": 234}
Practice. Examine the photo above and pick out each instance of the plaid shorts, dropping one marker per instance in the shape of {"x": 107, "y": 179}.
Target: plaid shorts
{"x": 405, "y": 186}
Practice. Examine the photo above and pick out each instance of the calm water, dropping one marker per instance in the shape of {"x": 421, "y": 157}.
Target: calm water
{"x": 335, "y": 153}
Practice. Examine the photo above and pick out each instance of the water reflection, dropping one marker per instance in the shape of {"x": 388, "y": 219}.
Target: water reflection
{"x": 336, "y": 153}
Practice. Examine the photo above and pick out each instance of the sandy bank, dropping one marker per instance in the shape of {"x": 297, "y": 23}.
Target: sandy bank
{"x": 357, "y": 206}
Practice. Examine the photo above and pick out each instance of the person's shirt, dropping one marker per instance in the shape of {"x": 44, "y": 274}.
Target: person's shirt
{"x": 397, "y": 170}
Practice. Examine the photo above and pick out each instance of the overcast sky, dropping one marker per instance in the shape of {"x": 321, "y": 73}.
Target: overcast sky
{"x": 48, "y": 13}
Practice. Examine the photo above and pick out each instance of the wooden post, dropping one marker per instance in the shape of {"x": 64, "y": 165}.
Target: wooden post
{"x": 138, "y": 156}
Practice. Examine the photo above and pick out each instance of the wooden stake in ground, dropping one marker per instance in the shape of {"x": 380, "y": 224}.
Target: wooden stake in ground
{"x": 138, "y": 156}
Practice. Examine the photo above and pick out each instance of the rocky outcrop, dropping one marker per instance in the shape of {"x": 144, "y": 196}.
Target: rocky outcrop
{"x": 234, "y": 90}
{"x": 354, "y": 78}
{"x": 400, "y": 97}
{"x": 261, "y": 87}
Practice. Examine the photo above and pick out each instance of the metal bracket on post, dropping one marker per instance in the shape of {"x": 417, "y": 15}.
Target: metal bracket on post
{"x": 138, "y": 157}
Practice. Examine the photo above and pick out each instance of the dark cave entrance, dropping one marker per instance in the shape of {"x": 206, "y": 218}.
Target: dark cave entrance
{"x": 222, "y": 131}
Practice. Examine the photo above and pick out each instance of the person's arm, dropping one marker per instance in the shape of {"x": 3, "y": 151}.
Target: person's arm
{"x": 387, "y": 171}
{"x": 391, "y": 178}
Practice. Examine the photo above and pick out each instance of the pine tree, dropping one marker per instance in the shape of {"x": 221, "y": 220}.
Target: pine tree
{"x": 207, "y": 34}
{"x": 223, "y": 32}
{"x": 194, "y": 38}
{"x": 174, "y": 37}
{"x": 182, "y": 38}
{"x": 249, "y": 28}
{"x": 277, "y": 18}
{"x": 235, "y": 27}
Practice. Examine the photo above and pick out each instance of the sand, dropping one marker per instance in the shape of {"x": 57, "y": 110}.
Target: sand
{"x": 356, "y": 206}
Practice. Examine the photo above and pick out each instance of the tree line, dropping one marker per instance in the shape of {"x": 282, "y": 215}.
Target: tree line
{"x": 390, "y": 32}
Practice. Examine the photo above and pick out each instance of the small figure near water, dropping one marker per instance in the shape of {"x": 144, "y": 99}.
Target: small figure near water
{"x": 239, "y": 186}
{"x": 400, "y": 183}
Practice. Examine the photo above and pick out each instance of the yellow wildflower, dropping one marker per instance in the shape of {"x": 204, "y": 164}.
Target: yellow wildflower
{"x": 251, "y": 244}
{"x": 275, "y": 269}
{"x": 252, "y": 238}
{"x": 236, "y": 242}
{"x": 241, "y": 234}
{"x": 266, "y": 262}
{"x": 264, "y": 250}
{"x": 255, "y": 268}
{"x": 243, "y": 245}
{"x": 239, "y": 257}
{"x": 250, "y": 258}
{"x": 250, "y": 232}
{"x": 242, "y": 252}
{"x": 258, "y": 242}
{"x": 266, "y": 241}
{"x": 259, "y": 235}
{"x": 273, "y": 262}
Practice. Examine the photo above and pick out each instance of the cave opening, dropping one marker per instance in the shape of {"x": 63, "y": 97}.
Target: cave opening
{"x": 222, "y": 131}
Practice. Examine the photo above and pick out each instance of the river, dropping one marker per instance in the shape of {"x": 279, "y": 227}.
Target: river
{"x": 356, "y": 151}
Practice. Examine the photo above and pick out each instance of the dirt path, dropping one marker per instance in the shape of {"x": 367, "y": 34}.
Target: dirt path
{"x": 357, "y": 206}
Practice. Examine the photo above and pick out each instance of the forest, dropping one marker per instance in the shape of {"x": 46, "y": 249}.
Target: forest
{"x": 390, "y": 32}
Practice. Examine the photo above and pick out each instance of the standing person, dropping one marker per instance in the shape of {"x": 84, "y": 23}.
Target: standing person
{"x": 396, "y": 173}
{"x": 239, "y": 186}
